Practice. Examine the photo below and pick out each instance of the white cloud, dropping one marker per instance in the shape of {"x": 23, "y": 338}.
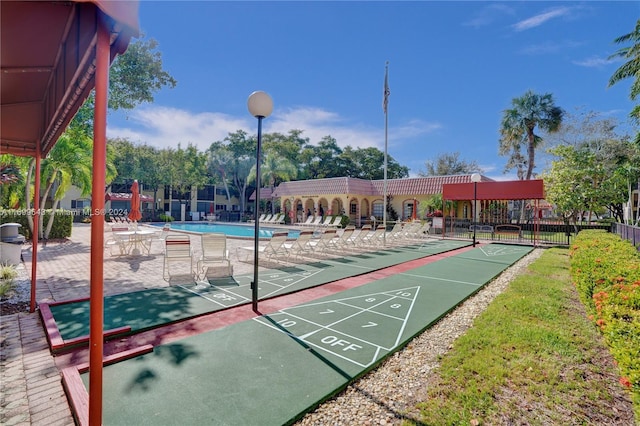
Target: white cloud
{"x": 550, "y": 47}
{"x": 488, "y": 15}
{"x": 593, "y": 62}
{"x": 166, "y": 127}
{"x": 541, "y": 18}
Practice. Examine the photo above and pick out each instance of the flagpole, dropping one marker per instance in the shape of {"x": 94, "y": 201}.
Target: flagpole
{"x": 385, "y": 103}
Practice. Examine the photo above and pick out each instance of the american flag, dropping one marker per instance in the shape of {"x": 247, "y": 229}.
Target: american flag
{"x": 387, "y": 92}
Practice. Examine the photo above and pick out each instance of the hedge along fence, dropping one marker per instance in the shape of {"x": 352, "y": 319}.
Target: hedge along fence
{"x": 62, "y": 222}
{"x": 606, "y": 271}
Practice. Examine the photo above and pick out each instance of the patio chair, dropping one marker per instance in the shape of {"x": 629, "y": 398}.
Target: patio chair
{"x": 279, "y": 219}
{"x": 161, "y": 236}
{"x": 177, "y": 250}
{"x": 214, "y": 257}
{"x": 323, "y": 244}
{"x": 357, "y": 239}
{"x": 306, "y": 222}
{"x": 342, "y": 243}
{"x": 267, "y": 218}
{"x": 337, "y": 221}
{"x": 327, "y": 221}
{"x": 374, "y": 239}
{"x": 317, "y": 221}
{"x": 302, "y": 245}
{"x": 275, "y": 247}
{"x": 260, "y": 219}
{"x": 117, "y": 244}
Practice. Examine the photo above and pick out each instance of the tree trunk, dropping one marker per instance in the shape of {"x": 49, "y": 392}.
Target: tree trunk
{"x": 51, "y": 218}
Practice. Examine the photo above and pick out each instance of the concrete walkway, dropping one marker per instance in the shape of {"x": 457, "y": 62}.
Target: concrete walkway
{"x": 31, "y": 390}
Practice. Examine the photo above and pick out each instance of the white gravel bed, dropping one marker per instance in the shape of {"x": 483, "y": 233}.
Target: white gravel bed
{"x": 385, "y": 394}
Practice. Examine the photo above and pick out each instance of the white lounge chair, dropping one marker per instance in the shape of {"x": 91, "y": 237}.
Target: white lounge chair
{"x": 343, "y": 242}
{"x": 316, "y": 221}
{"x": 177, "y": 250}
{"x": 337, "y": 221}
{"x": 306, "y": 222}
{"x": 322, "y": 244}
{"x": 302, "y": 245}
{"x": 214, "y": 254}
{"x": 358, "y": 238}
{"x": 327, "y": 221}
{"x": 274, "y": 248}
{"x": 260, "y": 219}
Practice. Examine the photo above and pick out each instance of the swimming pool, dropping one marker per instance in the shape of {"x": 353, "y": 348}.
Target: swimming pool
{"x": 231, "y": 230}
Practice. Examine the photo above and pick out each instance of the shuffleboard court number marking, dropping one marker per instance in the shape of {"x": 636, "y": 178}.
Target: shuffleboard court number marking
{"x": 300, "y": 322}
{"x": 338, "y": 343}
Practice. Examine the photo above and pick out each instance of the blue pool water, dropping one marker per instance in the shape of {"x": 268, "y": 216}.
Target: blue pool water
{"x": 231, "y": 230}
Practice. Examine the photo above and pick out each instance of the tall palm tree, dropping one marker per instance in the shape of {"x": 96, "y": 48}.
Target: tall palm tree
{"x": 630, "y": 69}
{"x": 520, "y": 121}
{"x": 274, "y": 169}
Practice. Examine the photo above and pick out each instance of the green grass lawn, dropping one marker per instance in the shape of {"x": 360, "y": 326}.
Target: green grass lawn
{"x": 531, "y": 358}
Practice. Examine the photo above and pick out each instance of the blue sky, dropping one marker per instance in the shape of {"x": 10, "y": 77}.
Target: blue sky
{"x": 453, "y": 68}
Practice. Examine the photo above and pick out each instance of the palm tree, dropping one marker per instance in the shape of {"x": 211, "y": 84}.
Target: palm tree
{"x": 274, "y": 169}
{"x": 519, "y": 122}
{"x": 630, "y": 69}
{"x": 69, "y": 162}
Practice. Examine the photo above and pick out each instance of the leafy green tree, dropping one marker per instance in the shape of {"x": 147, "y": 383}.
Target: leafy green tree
{"x": 518, "y": 128}
{"x": 368, "y": 163}
{"x": 630, "y": 69}
{"x": 449, "y": 164}
{"x": 287, "y": 146}
{"x": 614, "y": 152}
{"x": 320, "y": 161}
{"x": 590, "y": 178}
{"x": 134, "y": 77}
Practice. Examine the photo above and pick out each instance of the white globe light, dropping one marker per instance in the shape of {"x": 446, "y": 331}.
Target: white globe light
{"x": 476, "y": 177}
{"x": 260, "y": 104}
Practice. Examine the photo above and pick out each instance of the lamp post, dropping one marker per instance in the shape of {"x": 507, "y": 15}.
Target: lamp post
{"x": 475, "y": 178}
{"x": 260, "y": 105}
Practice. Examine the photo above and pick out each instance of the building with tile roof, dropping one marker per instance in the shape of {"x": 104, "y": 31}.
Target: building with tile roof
{"x": 358, "y": 198}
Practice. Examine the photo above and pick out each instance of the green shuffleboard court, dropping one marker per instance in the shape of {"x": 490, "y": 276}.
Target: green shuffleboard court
{"x": 272, "y": 369}
{"x": 152, "y": 308}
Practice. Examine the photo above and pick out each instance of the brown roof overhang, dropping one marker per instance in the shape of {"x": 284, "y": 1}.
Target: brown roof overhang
{"x": 47, "y": 65}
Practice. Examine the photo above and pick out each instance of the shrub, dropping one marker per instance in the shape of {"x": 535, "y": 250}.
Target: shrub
{"x": 606, "y": 272}
{"x": 166, "y": 218}
{"x": 7, "y": 274}
{"x": 62, "y": 223}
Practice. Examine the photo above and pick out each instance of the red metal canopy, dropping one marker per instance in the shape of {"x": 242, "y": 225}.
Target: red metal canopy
{"x": 505, "y": 190}
{"x": 48, "y": 65}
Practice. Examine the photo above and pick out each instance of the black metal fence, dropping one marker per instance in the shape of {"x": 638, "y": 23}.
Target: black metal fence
{"x": 544, "y": 233}
{"x": 628, "y": 232}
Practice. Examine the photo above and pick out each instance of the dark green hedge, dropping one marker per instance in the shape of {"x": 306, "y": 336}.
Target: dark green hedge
{"x": 62, "y": 222}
